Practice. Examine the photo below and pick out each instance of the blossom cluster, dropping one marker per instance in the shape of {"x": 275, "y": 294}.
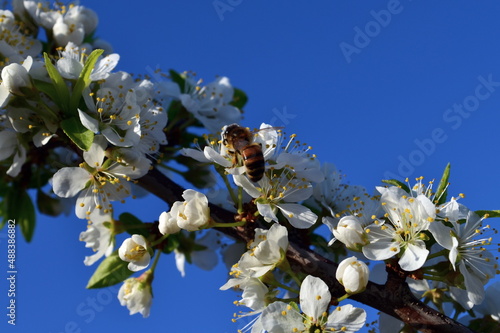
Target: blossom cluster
{"x": 71, "y": 120}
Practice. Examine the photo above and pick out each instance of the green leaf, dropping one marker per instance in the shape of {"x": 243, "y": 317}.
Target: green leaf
{"x": 111, "y": 271}
{"x": 84, "y": 78}
{"x": 80, "y": 135}
{"x": 490, "y": 213}
{"x": 19, "y": 207}
{"x": 397, "y": 183}
{"x": 442, "y": 190}
{"x": 133, "y": 225}
{"x": 59, "y": 85}
{"x": 46, "y": 88}
{"x": 179, "y": 79}
{"x": 239, "y": 99}
{"x": 172, "y": 243}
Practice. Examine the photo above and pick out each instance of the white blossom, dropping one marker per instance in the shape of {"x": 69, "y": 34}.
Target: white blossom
{"x": 468, "y": 251}
{"x": 350, "y": 231}
{"x": 134, "y": 250}
{"x": 191, "y": 215}
{"x": 136, "y": 296}
{"x": 98, "y": 237}
{"x": 10, "y": 146}
{"x": 408, "y": 218}
{"x": 96, "y": 182}
{"x": 315, "y": 299}
{"x": 72, "y": 60}
{"x": 353, "y": 275}
{"x": 280, "y": 193}
{"x": 210, "y": 104}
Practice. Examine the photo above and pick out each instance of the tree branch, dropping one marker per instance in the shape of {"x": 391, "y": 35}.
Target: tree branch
{"x": 394, "y": 298}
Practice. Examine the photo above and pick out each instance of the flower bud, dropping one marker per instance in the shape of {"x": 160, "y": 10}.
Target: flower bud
{"x": 353, "y": 275}
{"x": 350, "y": 232}
{"x": 194, "y": 213}
{"x": 16, "y": 79}
{"x": 168, "y": 220}
{"x": 136, "y": 295}
{"x": 135, "y": 251}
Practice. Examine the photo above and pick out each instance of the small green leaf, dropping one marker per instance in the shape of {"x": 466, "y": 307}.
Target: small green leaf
{"x": 490, "y": 213}
{"x": 442, "y": 190}
{"x": 397, "y": 183}
{"x": 239, "y": 99}
{"x": 80, "y": 135}
{"x": 19, "y": 207}
{"x": 179, "y": 79}
{"x": 172, "y": 243}
{"x": 111, "y": 271}
{"x": 84, "y": 78}
{"x": 133, "y": 225}
{"x": 59, "y": 85}
{"x": 46, "y": 88}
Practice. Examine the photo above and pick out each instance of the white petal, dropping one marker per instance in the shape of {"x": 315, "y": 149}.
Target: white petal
{"x": 180, "y": 260}
{"x": 277, "y": 317}
{"x": 347, "y": 318}
{"x": 442, "y": 234}
{"x": 104, "y": 66}
{"x": 248, "y": 186}
{"x": 17, "y": 163}
{"x": 299, "y": 216}
{"x": 195, "y": 154}
{"x": 278, "y": 234}
{"x": 4, "y": 95}
{"x": 381, "y": 250}
{"x": 95, "y": 156}
{"x": 299, "y": 194}
{"x": 267, "y": 212}
{"x": 67, "y": 182}
{"x": 215, "y": 157}
{"x": 414, "y": 257}
{"x": 89, "y": 122}
{"x": 474, "y": 285}
{"x": 8, "y": 143}
{"x": 314, "y": 296}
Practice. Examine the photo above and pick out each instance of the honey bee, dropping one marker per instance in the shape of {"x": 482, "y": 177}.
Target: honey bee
{"x": 239, "y": 140}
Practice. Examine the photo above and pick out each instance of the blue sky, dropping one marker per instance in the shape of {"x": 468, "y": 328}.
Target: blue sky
{"x": 380, "y": 88}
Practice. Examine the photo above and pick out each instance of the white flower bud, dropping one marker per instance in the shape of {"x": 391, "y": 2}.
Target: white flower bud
{"x": 350, "y": 232}
{"x": 353, "y": 275}
{"x": 136, "y": 296}
{"x": 16, "y": 79}
{"x": 191, "y": 215}
{"x": 135, "y": 251}
{"x": 194, "y": 213}
{"x": 168, "y": 220}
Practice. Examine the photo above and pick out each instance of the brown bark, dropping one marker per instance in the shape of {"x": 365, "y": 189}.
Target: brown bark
{"x": 394, "y": 298}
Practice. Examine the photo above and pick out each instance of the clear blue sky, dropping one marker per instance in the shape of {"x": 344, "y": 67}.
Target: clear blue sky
{"x": 379, "y": 88}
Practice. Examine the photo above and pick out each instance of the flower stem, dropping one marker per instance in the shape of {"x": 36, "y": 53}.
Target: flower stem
{"x": 437, "y": 254}
{"x": 240, "y": 200}
{"x": 228, "y": 185}
{"x": 340, "y": 299}
{"x": 158, "y": 241}
{"x": 157, "y": 257}
{"x": 228, "y": 225}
